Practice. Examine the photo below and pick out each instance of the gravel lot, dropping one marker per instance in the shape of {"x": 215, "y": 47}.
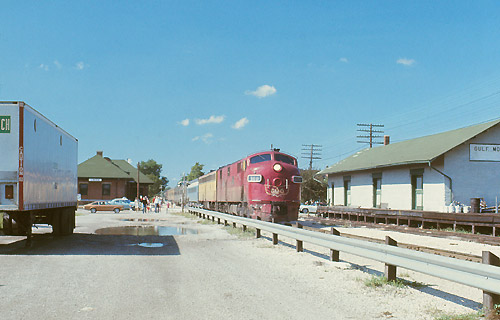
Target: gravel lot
{"x": 209, "y": 275}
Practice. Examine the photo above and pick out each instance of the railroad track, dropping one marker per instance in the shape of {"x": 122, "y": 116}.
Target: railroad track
{"x": 435, "y": 233}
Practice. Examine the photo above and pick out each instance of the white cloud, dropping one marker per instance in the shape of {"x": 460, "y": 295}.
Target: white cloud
{"x": 185, "y": 122}
{"x": 405, "y": 61}
{"x": 57, "y": 64}
{"x": 212, "y": 119}
{"x": 344, "y": 60}
{"x": 262, "y": 91}
{"x": 206, "y": 138}
{"x": 44, "y": 67}
{"x": 80, "y": 65}
{"x": 240, "y": 123}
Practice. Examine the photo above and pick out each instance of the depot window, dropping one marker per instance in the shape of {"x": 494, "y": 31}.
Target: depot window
{"x": 260, "y": 158}
{"x": 9, "y": 192}
{"x": 84, "y": 189}
{"x": 106, "y": 189}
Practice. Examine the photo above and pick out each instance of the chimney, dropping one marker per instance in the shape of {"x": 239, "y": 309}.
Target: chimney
{"x": 99, "y": 153}
{"x": 387, "y": 140}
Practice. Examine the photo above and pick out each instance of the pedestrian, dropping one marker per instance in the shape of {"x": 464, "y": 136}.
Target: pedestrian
{"x": 157, "y": 204}
{"x": 144, "y": 204}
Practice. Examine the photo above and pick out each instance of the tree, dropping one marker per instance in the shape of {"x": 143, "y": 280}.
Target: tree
{"x": 153, "y": 170}
{"x": 312, "y": 190}
{"x": 195, "y": 172}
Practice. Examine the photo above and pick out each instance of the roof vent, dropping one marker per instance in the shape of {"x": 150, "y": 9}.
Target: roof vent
{"x": 99, "y": 153}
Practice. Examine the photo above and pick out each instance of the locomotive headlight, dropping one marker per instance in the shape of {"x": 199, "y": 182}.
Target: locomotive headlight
{"x": 277, "y": 167}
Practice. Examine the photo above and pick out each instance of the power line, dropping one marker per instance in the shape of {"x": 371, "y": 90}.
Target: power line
{"x": 370, "y": 137}
{"x": 311, "y": 152}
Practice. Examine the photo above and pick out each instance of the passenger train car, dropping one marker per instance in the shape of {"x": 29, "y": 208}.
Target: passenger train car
{"x": 264, "y": 186}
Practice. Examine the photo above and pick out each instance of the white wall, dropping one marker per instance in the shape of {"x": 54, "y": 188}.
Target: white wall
{"x": 396, "y": 189}
{"x": 474, "y": 179}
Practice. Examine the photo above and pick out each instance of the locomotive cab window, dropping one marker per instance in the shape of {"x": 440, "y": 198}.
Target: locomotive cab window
{"x": 260, "y": 158}
{"x": 284, "y": 158}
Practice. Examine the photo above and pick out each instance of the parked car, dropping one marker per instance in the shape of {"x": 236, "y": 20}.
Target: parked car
{"x": 126, "y": 203}
{"x": 103, "y": 206}
{"x": 308, "y": 208}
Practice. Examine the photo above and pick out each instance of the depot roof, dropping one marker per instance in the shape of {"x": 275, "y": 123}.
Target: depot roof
{"x": 103, "y": 167}
{"x": 414, "y": 151}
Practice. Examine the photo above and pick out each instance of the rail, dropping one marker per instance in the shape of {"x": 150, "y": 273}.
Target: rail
{"x": 477, "y": 275}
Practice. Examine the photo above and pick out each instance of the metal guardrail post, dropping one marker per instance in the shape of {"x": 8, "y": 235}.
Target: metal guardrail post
{"x": 490, "y": 299}
{"x": 334, "y": 254}
{"x": 225, "y": 223}
{"x": 234, "y": 224}
{"x": 244, "y": 228}
{"x": 390, "y": 270}
{"x": 218, "y": 220}
{"x": 275, "y": 238}
{"x": 299, "y": 243}
{"x": 257, "y": 233}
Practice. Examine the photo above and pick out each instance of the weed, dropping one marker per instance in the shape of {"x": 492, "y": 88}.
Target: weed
{"x": 249, "y": 233}
{"x": 466, "y": 316}
{"x": 380, "y": 281}
{"x": 206, "y": 221}
{"x": 183, "y": 214}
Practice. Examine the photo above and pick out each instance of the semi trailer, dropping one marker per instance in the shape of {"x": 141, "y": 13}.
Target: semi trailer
{"x": 38, "y": 172}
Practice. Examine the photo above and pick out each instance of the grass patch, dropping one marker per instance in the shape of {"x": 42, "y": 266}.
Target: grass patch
{"x": 380, "y": 281}
{"x": 465, "y": 316}
{"x": 183, "y": 214}
{"x": 249, "y": 233}
{"x": 206, "y": 221}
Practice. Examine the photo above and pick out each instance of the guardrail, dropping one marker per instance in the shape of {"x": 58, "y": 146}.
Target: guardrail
{"x": 484, "y": 276}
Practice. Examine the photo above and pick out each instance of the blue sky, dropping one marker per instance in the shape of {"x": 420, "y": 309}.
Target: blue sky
{"x": 213, "y": 81}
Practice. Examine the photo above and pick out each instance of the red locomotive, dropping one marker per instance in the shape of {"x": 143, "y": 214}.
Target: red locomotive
{"x": 264, "y": 186}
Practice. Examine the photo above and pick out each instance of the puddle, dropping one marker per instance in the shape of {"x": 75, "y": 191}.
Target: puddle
{"x": 150, "y": 245}
{"x": 146, "y": 231}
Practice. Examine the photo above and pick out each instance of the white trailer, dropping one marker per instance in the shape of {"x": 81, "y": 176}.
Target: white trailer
{"x": 38, "y": 171}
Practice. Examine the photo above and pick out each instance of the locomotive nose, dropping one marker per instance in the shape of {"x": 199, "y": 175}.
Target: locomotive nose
{"x": 277, "y": 182}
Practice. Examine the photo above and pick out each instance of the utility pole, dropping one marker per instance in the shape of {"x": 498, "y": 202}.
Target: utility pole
{"x": 138, "y": 200}
{"x": 311, "y": 152}
{"x": 183, "y": 190}
{"x": 370, "y": 130}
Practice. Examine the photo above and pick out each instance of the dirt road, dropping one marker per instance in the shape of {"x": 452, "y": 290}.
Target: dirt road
{"x": 201, "y": 272}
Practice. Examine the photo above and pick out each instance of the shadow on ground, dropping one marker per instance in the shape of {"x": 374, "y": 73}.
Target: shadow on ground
{"x": 93, "y": 244}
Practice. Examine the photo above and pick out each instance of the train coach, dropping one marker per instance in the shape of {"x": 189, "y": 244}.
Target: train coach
{"x": 264, "y": 186}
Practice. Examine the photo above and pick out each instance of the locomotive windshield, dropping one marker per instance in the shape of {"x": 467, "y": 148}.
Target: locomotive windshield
{"x": 284, "y": 158}
{"x": 260, "y": 158}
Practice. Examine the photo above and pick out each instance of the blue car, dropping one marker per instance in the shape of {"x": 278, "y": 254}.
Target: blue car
{"x": 126, "y": 203}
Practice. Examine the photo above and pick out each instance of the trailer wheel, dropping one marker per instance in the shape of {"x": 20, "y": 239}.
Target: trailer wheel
{"x": 117, "y": 210}
{"x": 305, "y": 210}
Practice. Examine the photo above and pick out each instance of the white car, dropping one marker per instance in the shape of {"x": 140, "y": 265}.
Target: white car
{"x": 308, "y": 208}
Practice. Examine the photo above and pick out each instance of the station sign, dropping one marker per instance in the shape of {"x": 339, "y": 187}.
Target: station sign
{"x": 95, "y": 179}
{"x": 4, "y": 124}
{"x": 484, "y": 152}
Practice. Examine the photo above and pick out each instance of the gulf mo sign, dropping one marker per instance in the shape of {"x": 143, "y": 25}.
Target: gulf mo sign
{"x": 4, "y": 124}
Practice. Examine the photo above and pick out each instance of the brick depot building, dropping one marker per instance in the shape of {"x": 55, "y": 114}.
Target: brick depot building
{"x": 100, "y": 178}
